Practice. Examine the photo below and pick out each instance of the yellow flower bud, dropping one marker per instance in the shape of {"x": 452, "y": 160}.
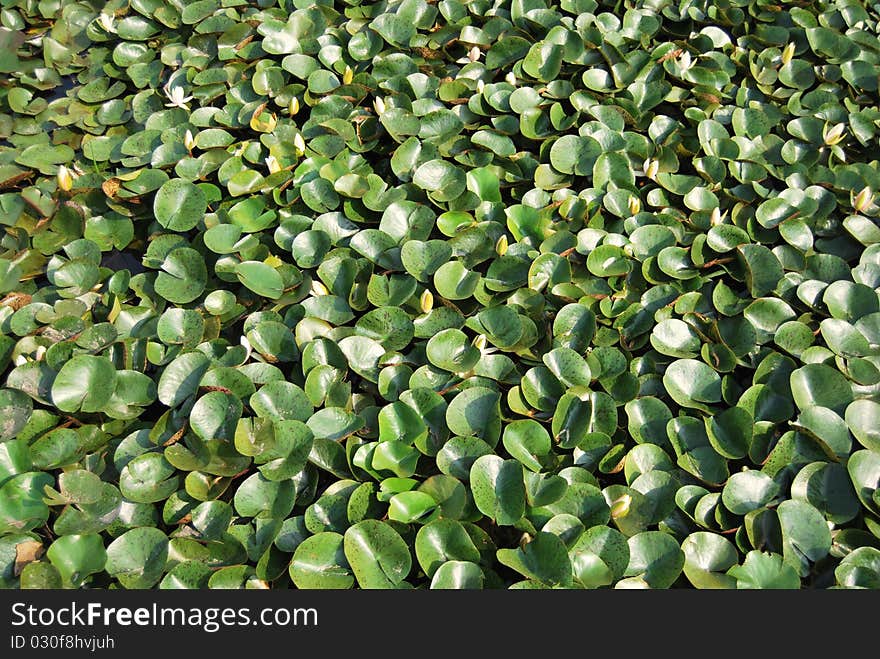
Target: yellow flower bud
{"x": 299, "y": 144}
{"x": 863, "y": 199}
{"x": 426, "y": 301}
{"x": 65, "y": 178}
{"x": 834, "y": 134}
{"x": 501, "y": 245}
{"x": 635, "y": 205}
{"x": 347, "y": 76}
{"x": 318, "y": 288}
{"x": 620, "y": 506}
{"x": 651, "y": 168}
{"x": 293, "y": 106}
{"x": 788, "y": 53}
{"x": 479, "y": 342}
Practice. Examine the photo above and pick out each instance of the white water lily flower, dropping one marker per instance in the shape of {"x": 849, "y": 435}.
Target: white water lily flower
{"x": 299, "y": 144}
{"x": 834, "y": 134}
{"x": 863, "y": 199}
{"x": 106, "y": 21}
{"x": 379, "y": 105}
{"x": 247, "y": 346}
{"x": 510, "y": 78}
{"x": 635, "y": 205}
{"x": 426, "y": 301}
{"x": 177, "y": 97}
{"x": 188, "y": 140}
{"x": 480, "y": 86}
{"x": 65, "y": 178}
{"x": 717, "y": 217}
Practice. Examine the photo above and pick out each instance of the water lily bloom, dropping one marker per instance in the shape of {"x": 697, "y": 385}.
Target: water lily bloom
{"x": 273, "y": 164}
{"x": 651, "y": 167}
{"x": 511, "y": 78}
{"x": 501, "y": 246}
{"x": 299, "y": 144}
{"x": 834, "y": 134}
{"x": 347, "y": 76}
{"x": 480, "y": 86}
{"x": 177, "y": 97}
{"x": 379, "y": 105}
{"x": 426, "y": 301}
{"x": 65, "y": 178}
{"x": 635, "y": 205}
{"x": 479, "y": 342}
{"x": 788, "y": 53}
{"x": 188, "y": 140}
{"x": 106, "y": 21}
{"x": 863, "y": 199}
{"x": 293, "y": 108}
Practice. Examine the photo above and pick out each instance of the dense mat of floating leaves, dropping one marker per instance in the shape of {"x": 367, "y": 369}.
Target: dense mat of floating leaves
{"x": 439, "y": 294}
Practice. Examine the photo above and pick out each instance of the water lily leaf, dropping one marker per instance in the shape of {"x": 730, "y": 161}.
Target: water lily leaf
{"x": 76, "y": 557}
{"x": 748, "y": 490}
{"x": 544, "y": 559}
{"x": 805, "y": 536}
{"x": 827, "y": 487}
{"x": 16, "y": 408}
{"x": 183, "y": 276}
{"x": 458, "y": 575}
{"x": 85, "y": 383}
{"x": 708, "y": 557}
{"x": 181, "y": 378}
{"x": 569, "y": 367}
{"x": 137, "y": 557}
{"x": 261, "y": 278}
{"x": 21, "y": 501}
{"x": 442, "y": 541}
{"x": 863, "y": 420}
{"x": 764, "y": 571}
{"x": 179, "y": 205}
{"x": 442, "y": 179}
{"x": 498, "y": 488}
{"x": 819, "y": 384}
{"x": 527, "y": 441}
{"x": 599, "y": 557}
{"x": 476, "y": 411}
{"x": 859, "y": 569}
{"x": 377, "y": 554}
{"x": 451, "y": 350}
{"x": 656, "y": 558}
{"x": 692, "y": 383}
{"x": 320, "y": 562}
